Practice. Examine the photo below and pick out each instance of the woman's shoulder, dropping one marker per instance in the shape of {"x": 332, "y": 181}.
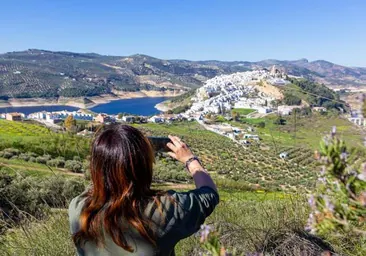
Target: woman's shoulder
{"x": 77, "y": 203}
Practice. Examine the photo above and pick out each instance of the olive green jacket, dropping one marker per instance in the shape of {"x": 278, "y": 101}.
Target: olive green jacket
{"x": 183, "y": 214}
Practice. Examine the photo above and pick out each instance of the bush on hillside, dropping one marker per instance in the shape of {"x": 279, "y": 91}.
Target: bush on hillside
{"x": 25, "y": 196}
{"x": 74, "y": 166}
{"x": 32, "y": 159}
{"x": 42, "y": 159}
{"x": 7, "y": 155}
{"x": 58, "y": 191}
{"x": 339, "y": 204}
{"x": 13, "y": 151}
{"x": 24, "y": 157}
{"x": 56, "y": 163}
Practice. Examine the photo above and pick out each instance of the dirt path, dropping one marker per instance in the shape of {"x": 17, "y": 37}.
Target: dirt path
{"x": 51, "y": 170}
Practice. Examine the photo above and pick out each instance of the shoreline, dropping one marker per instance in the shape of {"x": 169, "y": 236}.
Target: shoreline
{"x": 85, "y": 102}
{"x": 161, "y": 107}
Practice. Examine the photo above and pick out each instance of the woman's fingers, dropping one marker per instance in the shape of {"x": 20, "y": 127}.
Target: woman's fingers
{"x": 172, "y": 155}
{"x": 171, "y": 146}
{"x": 175, "y": 140}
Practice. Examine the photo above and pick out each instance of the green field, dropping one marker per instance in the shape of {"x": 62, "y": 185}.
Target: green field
{"x": 21, "y": 129}
{"x": 32, "y": 137}
{"x": 257, "y": 166}
{"x": 305, "y": 131}
{"x": 243, "y": 111}
{"x": 253, "y": 166}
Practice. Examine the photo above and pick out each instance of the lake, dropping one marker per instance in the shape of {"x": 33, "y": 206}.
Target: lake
{"x": 138, "y": 106}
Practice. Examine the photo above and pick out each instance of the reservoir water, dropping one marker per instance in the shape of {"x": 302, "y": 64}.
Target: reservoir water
{"x": 137, "y": 106}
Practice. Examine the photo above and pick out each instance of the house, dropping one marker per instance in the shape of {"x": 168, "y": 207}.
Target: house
{"x": 283, "y": 155}
{"x": 169, "y": 117}
{"x": 156, "y": 119}
{"x": 319, "y": 109}
{"x": 251, "y": 136}
{"x": 143, "y": 119}
{"x": 358, "y": 121}
{"x": 236, "y": 130}
{"x": 244, "y": 142}
{"x": 264, "y": 110}
{"x": 286, "y": 110}
{"x": 38, "y": 115}
{"x": 103, "y": 118}
{"x": 13, "y": 116}
{"x": 128, "y": 119}
{"x": 231, "y": 136}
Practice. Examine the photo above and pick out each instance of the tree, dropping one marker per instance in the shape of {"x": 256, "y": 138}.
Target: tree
{"x": 235, "y": 115}
{"x": 70, "y": 123}
{"x": 279, "y": 121}
{"x": 364, "y": 105}
{"x": 261, "y": 124}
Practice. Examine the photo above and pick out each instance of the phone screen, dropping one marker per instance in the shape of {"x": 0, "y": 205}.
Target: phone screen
{"x": 159, "y": 143}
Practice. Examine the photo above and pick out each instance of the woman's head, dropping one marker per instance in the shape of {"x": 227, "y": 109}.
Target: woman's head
{"x": 121, "y": 171}
{"x": 121, "y": 162}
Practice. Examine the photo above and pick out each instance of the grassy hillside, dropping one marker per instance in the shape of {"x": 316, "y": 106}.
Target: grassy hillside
{"x": 248, "y": 218}
{"x": 312, "y": 93}
{"x": 304, "y": 131}
{"x": 254, "y": 166}
{"x": 42, "y": 73}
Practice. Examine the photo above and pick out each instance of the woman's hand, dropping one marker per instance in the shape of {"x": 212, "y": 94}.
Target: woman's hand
{"x": 180, "y": 150}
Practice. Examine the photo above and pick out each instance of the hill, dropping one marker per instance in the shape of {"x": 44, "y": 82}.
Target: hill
{"x": 40, "y": 73}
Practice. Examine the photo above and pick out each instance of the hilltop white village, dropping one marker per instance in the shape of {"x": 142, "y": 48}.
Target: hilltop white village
{"x": 256, "y": 90}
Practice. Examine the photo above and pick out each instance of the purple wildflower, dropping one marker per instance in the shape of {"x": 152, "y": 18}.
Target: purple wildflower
{"x": 311, "y": 201}
{"x": 334, "y": 130}
{"x": 328, "y": 204}
{"x": 310, "y": 223}
{"x": 322, "y": 171}
{"x": 322, "y": 180}
{"x": 205, "y": 231}
{"x": 344, "y": 156}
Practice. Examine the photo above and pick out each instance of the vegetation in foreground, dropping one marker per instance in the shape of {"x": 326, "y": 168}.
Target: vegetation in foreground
{"x": 34, "y": 220}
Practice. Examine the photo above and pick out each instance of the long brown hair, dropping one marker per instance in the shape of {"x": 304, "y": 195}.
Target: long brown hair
{"x": 121, "y": 171}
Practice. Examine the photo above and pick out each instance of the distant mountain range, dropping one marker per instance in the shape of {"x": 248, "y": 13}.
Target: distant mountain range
{"x": 41, "y": 73}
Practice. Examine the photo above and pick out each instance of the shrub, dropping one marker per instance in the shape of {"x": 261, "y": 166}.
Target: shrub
{"x": 41, "y": 160}
{"x": 339, "y": 204}
{"x": 12, "y": 151}
{"x": 77, "y": 158}
{"x": 7, "y": 155}
{"x": 58, "y": 191}
{"x": 24, "y": 157}
{"x": 56, "y": 163}
{"x": 32, "y": 159}
{"x": 18, "y": 195}
{"x": 24, "y": 196}
{"x": 74, "y": 166}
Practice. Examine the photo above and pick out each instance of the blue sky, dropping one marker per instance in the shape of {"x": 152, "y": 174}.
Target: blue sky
{"x": 254, "y": 30}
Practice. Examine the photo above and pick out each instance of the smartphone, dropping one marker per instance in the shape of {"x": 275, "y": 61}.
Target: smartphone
{"x": 159, "y": 143}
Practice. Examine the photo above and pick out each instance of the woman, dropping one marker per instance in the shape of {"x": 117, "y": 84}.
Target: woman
{"x": 120, "y": 214}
